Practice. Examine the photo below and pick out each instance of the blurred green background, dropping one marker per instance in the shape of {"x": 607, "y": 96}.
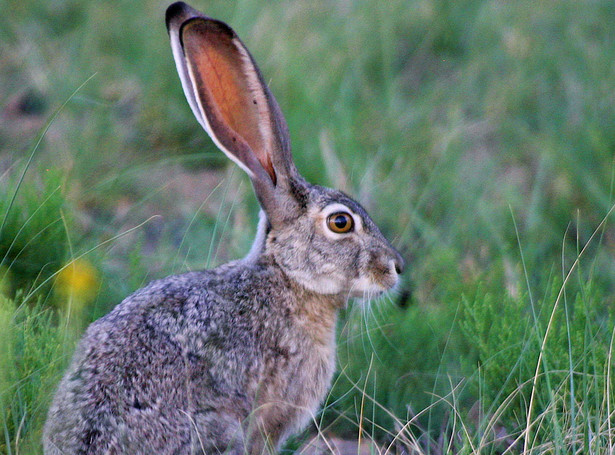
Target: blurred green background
{"x": 480, "y": 135}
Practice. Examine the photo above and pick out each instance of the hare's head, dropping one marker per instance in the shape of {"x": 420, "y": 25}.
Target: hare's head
{"x": 319, "y": 236}
{"x": 331, "y": 245}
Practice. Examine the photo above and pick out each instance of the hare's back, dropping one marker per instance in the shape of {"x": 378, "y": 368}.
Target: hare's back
{"x": 178, "y": 347}
{"x": 176, "y": 330}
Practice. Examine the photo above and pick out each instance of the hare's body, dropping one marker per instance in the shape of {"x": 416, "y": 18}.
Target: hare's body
{"x": 194, "y": 363}
{"x": 235, "y": 359}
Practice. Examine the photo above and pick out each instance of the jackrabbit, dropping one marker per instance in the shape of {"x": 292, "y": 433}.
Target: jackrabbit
{"x": 234, "y": 359}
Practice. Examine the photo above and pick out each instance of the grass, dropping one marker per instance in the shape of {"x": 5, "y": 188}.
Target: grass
{"x": 479, "y": 135}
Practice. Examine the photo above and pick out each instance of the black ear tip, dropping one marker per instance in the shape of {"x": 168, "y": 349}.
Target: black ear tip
{"x": 177, "y": 10}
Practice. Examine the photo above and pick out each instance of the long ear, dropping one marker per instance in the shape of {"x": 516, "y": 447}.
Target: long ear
{"x": 226, "y": 92}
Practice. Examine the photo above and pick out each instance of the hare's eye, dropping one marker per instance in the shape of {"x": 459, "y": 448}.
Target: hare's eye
{"x": 340, "y": 222}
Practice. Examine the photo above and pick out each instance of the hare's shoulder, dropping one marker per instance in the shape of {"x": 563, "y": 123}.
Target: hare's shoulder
{"x": 198, "y": 321}
{"x": 222, "y": 306}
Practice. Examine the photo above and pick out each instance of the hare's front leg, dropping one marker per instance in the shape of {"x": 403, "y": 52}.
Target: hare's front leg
{"x": 263, "y": 444}
{"x": 268, "y": 429}
{"x": 214, "y": 431}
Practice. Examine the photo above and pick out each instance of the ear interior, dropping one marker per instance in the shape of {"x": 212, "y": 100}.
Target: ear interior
{"x": 229, "y": 92}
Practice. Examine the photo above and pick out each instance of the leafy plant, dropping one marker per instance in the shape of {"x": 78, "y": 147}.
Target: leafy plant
{"x": 547, "y": 359}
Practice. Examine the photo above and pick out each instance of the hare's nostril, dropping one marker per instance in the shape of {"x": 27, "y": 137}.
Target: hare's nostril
{"x": 399, "y": 267}
{"x": 399, "y": 264}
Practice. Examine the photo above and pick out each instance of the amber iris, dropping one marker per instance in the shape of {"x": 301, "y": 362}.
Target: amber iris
{"x": 340, "y": 222}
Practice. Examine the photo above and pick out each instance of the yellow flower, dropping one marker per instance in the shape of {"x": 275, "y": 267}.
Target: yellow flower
{"x": 77, "y": 280}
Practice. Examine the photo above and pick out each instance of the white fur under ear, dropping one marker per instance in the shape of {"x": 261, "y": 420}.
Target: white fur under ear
{"x": 258, "y": 245}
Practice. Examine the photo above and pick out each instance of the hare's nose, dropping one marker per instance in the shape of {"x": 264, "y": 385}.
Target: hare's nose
{"x": 398, "y": 262}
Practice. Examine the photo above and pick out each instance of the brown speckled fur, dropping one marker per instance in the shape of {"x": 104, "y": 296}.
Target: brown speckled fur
{"x": 234, "y": 359}
{"x": 206, "y": 349}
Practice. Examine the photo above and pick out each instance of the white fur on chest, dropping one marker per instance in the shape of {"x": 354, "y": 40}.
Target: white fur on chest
{"x": 318, "y": 372}
{"x": 291, "y": 395}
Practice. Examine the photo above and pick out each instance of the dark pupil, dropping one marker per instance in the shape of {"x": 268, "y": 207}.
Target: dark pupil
{"x": 340, "y": 221}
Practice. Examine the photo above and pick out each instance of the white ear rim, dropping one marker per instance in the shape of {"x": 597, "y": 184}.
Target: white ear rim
{"x": 187, "y": 77}
{"x": 182, "y": 70}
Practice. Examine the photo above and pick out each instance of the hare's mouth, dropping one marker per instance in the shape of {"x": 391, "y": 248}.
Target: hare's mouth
{"x": 373, "y": 286}
{"x": 365, "y": 286}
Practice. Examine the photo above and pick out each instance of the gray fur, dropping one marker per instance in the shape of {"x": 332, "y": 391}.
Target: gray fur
{"x": 230, "y": 360}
